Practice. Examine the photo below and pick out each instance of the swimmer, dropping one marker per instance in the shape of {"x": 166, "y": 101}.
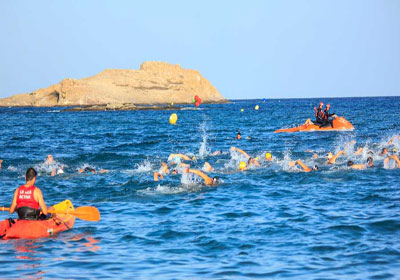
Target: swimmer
{"x": 251, "y": 161}
{"x": 332, "y": 158}
{"x": 49, "y": 160}
{"x": 92, "y": 170}
{"x": 393, "y": 157}
{"x": 302, "y": 165}
{"x": 242, "y": 166}
{"x": 394, "y": 137}
{"x": 164, "y": 168}
{"x": 370, "y": 163}
{"x": 238, "y": 136}
{"x": 58, "y": 171}
{"x": 268, "y": 157}
{"x": 207, "y": 180}
{"x": 216, "y": 153}
{"x": 384, "y": 151}
{"x": 207, "y": 167}
{"x": 179, "y": 157}
{"x": 158, "y": 176}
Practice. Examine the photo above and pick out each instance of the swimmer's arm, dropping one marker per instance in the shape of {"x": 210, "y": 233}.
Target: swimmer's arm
{"x": 358, "y": 166}
{"x": 207, "y": 180}
{"x": 396, "y": 158}
{"x": 333, "y": 159}
{"x": 240, "y": 151}
{"x": 359, "y": 151}
{"x": 39, "y": 196}
{"x": 164, "y": 167}
{"x": 14, "y": 202}
{"x": 185, "y": 157}
{"x": 305, "y": 167}
{"x": 158, "y": 175}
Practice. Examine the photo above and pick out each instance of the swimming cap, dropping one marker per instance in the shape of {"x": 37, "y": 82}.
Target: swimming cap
{"x": 242, "y": 165}
{"x": 321, "y": 103}
{"x": 329, "y": 155}
{"x": 268, "y": 156}
{"x": 394, "y": 150}
{"x": 328, "y": 105}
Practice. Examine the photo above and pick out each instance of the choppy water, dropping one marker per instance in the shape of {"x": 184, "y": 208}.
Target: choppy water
{"x": 270, "y": 222}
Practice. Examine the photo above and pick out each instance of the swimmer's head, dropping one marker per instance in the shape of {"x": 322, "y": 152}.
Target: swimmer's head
{"x": 50, "y": 158}
{"x": 89, "y": 169}
{"x": 174, "y": 171}
{"x": 268, "y": 156}
{"x": 350, "y": 163}
{"x": 328, "y": 106}
{"x": 329, "y": 155}
{"x": 315, "y": 168}
{"x": 394, "y": 150}
{"x": 193, "y": 158}
{"x": 242, "y": 165}
{"x": 215, "y": 181}
{"x": 370, "y": 161}
{"x": 384, "y": 151}
{"x": 321, "y": 104}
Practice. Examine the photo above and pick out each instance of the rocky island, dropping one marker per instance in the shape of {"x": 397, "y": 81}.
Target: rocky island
{"x": 155, "y": 83}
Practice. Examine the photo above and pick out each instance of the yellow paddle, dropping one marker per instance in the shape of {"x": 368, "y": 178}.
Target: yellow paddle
{"x": 87, "y": 213}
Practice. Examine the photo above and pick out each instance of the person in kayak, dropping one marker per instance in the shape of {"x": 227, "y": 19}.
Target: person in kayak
{"x": 212, "y": 182}
{"x": 28, "y": 199}
{"x": 319, "y": 114}
{"x": 327, "y": 115}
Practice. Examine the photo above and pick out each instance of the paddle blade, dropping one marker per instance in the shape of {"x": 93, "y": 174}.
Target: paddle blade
{"x": 87, "y": 213}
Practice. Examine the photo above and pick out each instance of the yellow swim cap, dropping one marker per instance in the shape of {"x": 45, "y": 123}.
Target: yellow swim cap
{"x": 329, "y": 155}
{"x": 394, "y": 150}
{"x": 193, "y": 158}
{"x": 268, "y": 156}
{"x": 241, "y": 110}
{"x": 242, "y": 165}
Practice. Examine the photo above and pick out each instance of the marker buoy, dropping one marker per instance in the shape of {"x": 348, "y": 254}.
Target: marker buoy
{"x": 173, "y": 118}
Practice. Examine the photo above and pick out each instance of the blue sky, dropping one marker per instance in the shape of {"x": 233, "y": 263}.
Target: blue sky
{"x": 246, "y": 49}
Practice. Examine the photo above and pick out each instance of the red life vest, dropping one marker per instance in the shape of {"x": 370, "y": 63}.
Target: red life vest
{"x": 25, "y": 197}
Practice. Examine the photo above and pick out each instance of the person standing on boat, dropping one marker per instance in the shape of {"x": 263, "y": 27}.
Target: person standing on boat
{"x": 28, "y": 199}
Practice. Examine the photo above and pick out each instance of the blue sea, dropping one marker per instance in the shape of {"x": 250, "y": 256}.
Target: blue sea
{"x": 269, "y": 222}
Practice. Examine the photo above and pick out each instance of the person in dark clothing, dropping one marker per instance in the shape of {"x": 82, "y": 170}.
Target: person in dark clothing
{"x": 319, "y": 114}
{"x": 327, "y": 115}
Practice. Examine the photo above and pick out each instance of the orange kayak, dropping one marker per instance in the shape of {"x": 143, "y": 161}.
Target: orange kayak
{"x": 41, "y": 228}
{"x": 339, "y": 124}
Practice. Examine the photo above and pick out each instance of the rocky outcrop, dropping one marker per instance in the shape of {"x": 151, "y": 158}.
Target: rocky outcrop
{"x": 153, "y": 83}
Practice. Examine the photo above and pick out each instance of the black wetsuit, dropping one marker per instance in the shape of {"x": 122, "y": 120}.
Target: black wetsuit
{"x": 319, "y": 116}
{"x": 326, "y": 119}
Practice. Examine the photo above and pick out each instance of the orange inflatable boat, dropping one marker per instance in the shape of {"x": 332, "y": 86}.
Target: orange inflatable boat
{"x": 339, "y": 124}
{"x": 10, "y": 229}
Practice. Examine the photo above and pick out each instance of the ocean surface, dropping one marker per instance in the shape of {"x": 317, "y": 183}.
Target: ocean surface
{"x": 270, "y": 222}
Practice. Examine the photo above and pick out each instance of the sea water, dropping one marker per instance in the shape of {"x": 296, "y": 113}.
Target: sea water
{"x": 273, "y": 221}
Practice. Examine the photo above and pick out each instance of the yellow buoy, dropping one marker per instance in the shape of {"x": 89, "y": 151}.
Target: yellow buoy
{"x": 173, "y": 118}
{"x": 257, "y": 107}
{"x": 241, "y": 110}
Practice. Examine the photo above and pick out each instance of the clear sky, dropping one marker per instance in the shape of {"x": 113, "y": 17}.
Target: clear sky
{"x": 246, "y": 49}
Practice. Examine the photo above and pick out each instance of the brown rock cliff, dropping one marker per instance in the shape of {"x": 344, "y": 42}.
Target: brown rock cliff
{"x": 153, "y": 83}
